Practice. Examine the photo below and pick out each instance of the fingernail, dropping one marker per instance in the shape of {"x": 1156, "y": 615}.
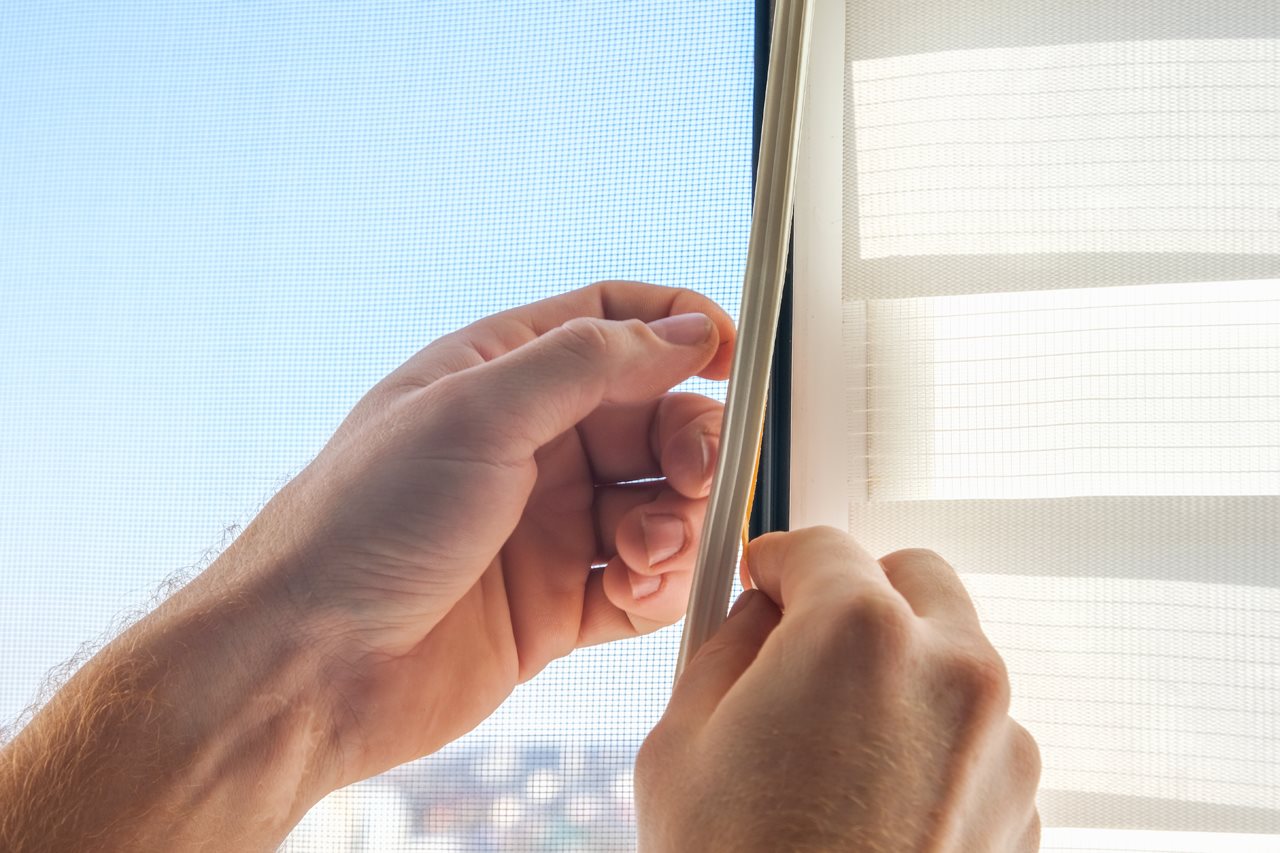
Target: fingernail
{"x": 743, "y": 601}
{"x": 683, "y": 329}
{"x": 664, "y": 536}
{"x": 643, "y": 586}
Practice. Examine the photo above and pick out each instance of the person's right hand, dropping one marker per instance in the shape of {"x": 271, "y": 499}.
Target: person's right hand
{"x": 870, "y": 714}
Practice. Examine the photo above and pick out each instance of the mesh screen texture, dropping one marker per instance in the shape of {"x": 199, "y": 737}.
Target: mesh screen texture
{"x": 222, "y": 223}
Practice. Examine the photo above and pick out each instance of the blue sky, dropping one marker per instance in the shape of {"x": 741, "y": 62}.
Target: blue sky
{"x": 222, "y": 222}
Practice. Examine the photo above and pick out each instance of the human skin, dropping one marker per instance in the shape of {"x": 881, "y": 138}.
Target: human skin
{"x": 471, "y": 520}
{"x": 846, "y": 704}
{"x": 437, "y": 552}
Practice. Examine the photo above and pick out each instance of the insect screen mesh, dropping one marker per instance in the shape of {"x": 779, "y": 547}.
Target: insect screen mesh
{"x": 223, "y": 222}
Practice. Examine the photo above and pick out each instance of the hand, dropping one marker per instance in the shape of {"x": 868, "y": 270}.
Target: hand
{"x": 440, "y": 549}
{"x": 871, "y": 713}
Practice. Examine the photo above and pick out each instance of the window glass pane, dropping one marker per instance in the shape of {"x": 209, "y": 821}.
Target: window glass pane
{"x": 223, "y": 222}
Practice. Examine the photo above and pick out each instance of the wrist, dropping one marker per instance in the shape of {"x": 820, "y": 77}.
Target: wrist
{"x": 238, "y": 638}
{"x": 203, "y": 727}
{"x": 244, "y": 712}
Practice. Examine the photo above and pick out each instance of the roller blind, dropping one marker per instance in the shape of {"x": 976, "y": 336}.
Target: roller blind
{"x": 1057, "y": 244}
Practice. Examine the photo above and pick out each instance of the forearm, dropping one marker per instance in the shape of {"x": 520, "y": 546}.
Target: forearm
{"x": 199, "y": 729}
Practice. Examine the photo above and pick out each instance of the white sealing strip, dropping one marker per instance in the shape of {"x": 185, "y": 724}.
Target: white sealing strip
{"x": 757, "y": 326}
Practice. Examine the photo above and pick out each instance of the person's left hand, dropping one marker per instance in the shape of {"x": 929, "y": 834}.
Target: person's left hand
{"x": 441, "y": 547}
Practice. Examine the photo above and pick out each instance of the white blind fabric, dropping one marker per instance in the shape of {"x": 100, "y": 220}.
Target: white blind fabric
{"x": 1168, "y": 389}
{"x": 1133, "y": 146}
{"x": 1058, "y": 249}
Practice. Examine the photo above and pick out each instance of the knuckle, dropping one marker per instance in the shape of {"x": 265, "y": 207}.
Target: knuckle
{"x": 821, "y": 534}
{"x": 681, "y": 294}
{"x": 877, "y": 612}
{"x": 980, "y": 679}
{"x": 586, "y": 337}
{"x": 448, "y": 392}
{"x": 635, "y": 327}
{"x": 819, "y": 543}
{"x": 1024, "y": 754}
{"x": 915, "y": 557}
{"x": 872, "y": 625}
{"x": 452, "y": 401}
{"x": 465, "y": 412}
{"x": 1031, "y": 840}
{"x": 652, "y": 756}
{"x": 713, "y": 653}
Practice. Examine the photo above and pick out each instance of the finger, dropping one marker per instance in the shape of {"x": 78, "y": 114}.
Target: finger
{"x": 676, "y": 436}
{"x": 627, "y": 300}
{"x": 645, "y": 589}
{"x": 653, "y": 528}
{"x": 610, "y": 611}
{"x": 504, "y": 410}
{"x": 812, "y": 566}
{"x": 723, "y": 659}
{"x": 1029, "y": 841}
{"x": 509, "y": 330}
{"x": 1024, "y": 761}
{"x": 689, "y": 456}
{"x": 602, "y": 620}
{"x": 659, "y": 537}
{"x": 612, "y": 504}
{"x": 930, "y": 586}
{"x": 649, "y": 601}
{"x": 1013, "y": 774}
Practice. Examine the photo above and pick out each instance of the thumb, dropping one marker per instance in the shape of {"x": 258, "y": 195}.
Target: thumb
{"x": 521, "y": 400}
{"x": 723, "y": 659}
